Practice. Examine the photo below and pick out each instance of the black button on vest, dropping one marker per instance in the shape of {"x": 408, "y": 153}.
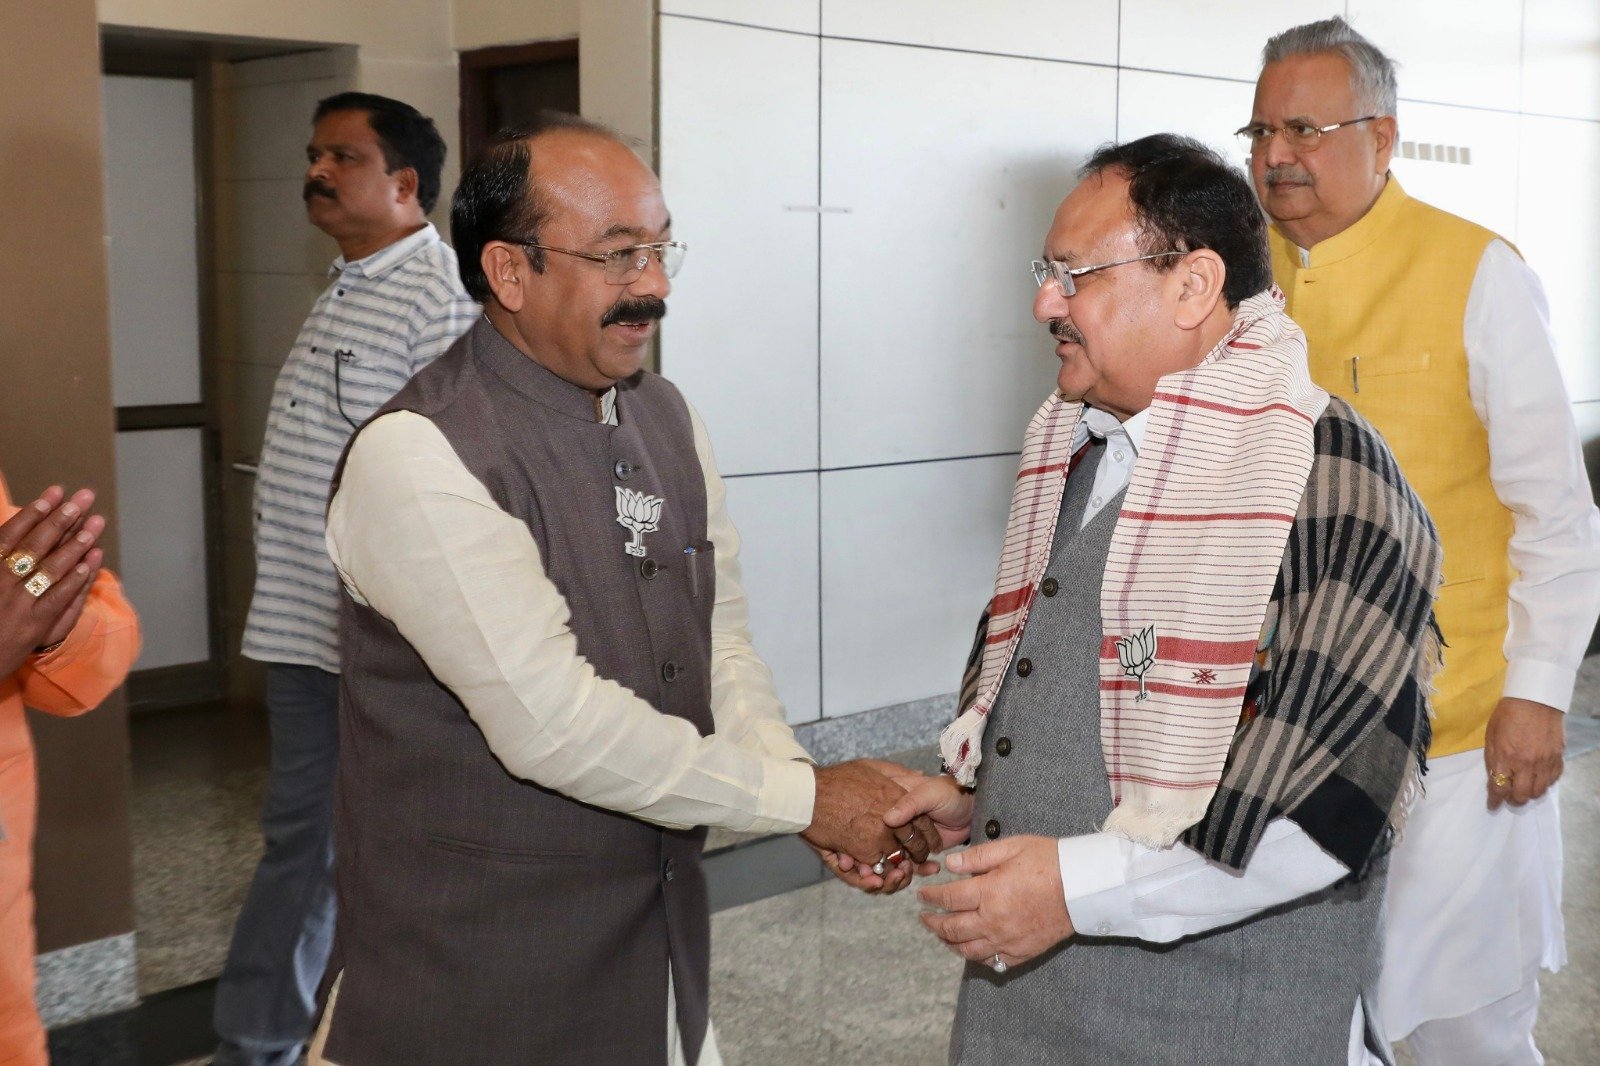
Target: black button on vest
{"x": 667, "y": 871}
{"x": 991, "y": 829}
{"x": 1024, "y": 667}
{"x": 1050, "y": 587}
{"x": 623, "y": 470}
{"x": 1002, "y": 747}
{"x": 649, "y": 569}
{"x": 670, "y": 671}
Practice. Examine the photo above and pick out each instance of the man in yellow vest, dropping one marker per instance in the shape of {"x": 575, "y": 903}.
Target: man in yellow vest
{"x": 1435, "y": 330}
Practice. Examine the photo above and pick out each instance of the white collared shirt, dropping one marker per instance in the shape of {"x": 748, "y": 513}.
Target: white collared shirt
{"x": 380, "y": 320}
{"x": 1116, "y": 465}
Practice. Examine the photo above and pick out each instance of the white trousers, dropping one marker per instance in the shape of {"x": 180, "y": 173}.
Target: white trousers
{"x": 1472, "y": 914}
{"x": 1501, "y": 1033}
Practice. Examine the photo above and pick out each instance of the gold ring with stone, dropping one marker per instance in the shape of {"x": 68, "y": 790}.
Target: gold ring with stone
{"x": 1501, "y": 779}
{"x": 38, "y": 584}
{"x": 21, "y": 563}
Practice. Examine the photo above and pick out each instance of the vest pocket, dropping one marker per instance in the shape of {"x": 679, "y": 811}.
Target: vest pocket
{"x": 1383, "y": 365}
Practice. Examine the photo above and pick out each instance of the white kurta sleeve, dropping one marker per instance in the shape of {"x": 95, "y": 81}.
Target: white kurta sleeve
{"x": 418, "y": 539}
{"x": 1115, "y": 887}
{"x": 1536, "y": 465}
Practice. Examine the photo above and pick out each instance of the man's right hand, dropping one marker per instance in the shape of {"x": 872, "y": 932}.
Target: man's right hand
{"x": 847, "y": 819}
{"x": 58, "y": 536}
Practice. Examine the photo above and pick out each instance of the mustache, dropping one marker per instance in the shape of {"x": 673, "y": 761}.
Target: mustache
{"x": 313, "y": 187}
{"x": 1062, "y": 330}
{"x": 635, "y": 309}
{"x": 1287, "y": 172}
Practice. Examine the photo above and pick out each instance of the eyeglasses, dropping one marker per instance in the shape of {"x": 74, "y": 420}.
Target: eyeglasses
{"x": 625, "y": 264}
{"x": 1045, "y": 269}
{"x": 1301, "y": 136}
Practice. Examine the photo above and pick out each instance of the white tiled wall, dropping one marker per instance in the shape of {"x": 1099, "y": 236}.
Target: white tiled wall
{"x": 1558, "y": 232}
{"x": 776, "y": 515}
{"x": 908, "y": 558}
{"x": 1560, "y": 55}
{"x": 799, "y": 16}
{"x": 744, "y": 309}
{"x": 1219, "y": 40}
{"x": 1450, "y": 51}
{"x": 1084, "y": 31}
{"x": 929, "y": 348}
{"x": 1209, "y": 109}
{"x": 1484, "y": 190}
{"x": 879, "y": 405}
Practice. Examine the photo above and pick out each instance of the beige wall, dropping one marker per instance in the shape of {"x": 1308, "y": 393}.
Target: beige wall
{"x": 486, "y": 23}
{"x": 412, "y": 30}
{"x": 617, "y": 66}
{"x": 404, "y": 48}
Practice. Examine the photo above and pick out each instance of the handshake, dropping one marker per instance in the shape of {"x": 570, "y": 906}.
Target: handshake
{"x": 876, "y": 823}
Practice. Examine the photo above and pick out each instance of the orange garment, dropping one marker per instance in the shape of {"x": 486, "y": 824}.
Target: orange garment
{"x": 73, "y": 678}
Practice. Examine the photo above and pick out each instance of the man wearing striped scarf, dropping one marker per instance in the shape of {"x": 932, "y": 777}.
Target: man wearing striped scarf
{"x": 1199, "y": 701}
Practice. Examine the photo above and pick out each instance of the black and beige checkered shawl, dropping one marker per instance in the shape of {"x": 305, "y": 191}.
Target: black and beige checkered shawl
{"x": 1335, "y": 725}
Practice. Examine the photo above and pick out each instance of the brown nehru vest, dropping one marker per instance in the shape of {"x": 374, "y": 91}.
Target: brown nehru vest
{"x": 483, "y": 919}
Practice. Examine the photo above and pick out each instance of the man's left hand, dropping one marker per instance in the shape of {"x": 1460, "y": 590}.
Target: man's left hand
{"x": 1526, "y": 742}
{"x": 1012, "y": 905}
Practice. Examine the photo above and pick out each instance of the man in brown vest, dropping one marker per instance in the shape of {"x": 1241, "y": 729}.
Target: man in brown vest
{"x": 548, "y": 687}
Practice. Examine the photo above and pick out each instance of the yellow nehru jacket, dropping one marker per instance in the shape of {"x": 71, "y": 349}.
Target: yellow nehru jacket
{"x": 1382, "y": 305}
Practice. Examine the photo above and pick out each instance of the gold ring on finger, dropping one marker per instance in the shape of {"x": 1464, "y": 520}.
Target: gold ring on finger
{"x": 38, "y": 584}
{"x": 1501, "y": 779}
{"x": 21, "y": 563}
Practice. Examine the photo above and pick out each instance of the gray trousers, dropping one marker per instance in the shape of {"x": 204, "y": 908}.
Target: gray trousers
{"x": 267, "y": 992}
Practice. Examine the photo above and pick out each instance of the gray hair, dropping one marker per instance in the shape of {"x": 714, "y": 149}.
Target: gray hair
{"x": 1371, "y": 72}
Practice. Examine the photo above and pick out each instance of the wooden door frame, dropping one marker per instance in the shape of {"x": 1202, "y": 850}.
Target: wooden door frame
{"x": 476, "y": 67}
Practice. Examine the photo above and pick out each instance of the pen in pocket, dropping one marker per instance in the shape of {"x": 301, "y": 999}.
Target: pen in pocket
{"x": 693, "y": 565}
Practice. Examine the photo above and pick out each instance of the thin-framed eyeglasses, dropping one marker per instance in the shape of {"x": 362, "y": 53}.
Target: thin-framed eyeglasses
{"x": 1301, "y": 136}
{"x": 1045, "y": 269}
{"x": 626, "y": 264}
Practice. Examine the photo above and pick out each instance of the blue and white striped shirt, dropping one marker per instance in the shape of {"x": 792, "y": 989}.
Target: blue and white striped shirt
{"x": 381, "y": 320}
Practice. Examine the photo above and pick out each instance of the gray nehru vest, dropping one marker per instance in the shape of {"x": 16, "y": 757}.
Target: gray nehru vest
{"x": 1275, "y": 990}
{"x": 483, "y": 919}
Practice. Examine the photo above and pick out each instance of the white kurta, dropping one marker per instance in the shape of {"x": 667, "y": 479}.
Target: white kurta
{"x": 1474, "y": 901}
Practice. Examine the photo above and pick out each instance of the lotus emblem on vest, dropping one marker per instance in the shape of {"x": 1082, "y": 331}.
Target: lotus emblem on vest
{"x": 639, "y": 512}
{"x": 1136, "y": 655}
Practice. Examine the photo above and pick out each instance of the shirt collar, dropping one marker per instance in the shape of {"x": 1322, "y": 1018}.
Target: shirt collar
{"x": 1106, "y": 426}
{"x": 388, "y": 257}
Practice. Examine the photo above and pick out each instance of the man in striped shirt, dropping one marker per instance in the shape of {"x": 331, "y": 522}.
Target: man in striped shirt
{"x": 394, "y": 305}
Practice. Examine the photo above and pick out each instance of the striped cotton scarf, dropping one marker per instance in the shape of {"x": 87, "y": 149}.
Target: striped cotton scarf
{"x": 1196, "y": 550}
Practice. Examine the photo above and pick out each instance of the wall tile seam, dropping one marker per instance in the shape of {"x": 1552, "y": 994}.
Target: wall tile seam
{"x": 1092, "y": 64}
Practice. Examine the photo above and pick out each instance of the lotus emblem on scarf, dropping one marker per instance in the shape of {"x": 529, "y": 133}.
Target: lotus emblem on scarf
{"x": 639, "y": 512}
{"x": 1136, "y": 655}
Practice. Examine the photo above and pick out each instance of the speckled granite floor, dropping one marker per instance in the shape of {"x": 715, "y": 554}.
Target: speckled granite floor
{"x": 819, "y": 974}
